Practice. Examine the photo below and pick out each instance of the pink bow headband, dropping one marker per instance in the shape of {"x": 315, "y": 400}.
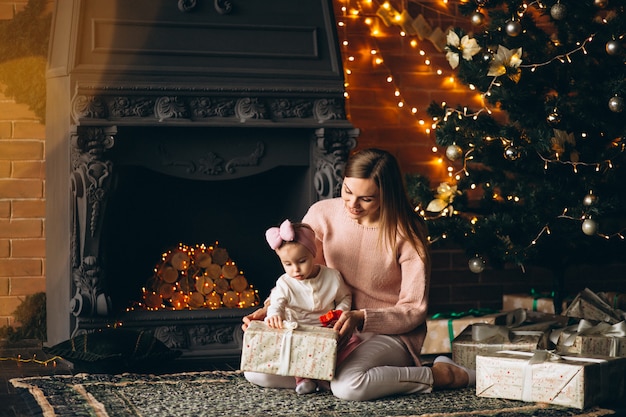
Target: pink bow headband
{"x": 276, "y": 236}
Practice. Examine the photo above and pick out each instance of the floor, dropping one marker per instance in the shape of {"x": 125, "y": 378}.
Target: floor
{"x": 26, "y": 359}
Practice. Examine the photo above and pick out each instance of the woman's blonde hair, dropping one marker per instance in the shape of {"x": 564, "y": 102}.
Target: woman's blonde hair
{"x": 396, "y": 213}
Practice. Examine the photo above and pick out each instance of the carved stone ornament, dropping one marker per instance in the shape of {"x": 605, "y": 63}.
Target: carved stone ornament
{"x": 333, "y": 149}
{"x": 211, "y": 163}
{"x": 90, "y": 184}
{"x": 205, "y": 108}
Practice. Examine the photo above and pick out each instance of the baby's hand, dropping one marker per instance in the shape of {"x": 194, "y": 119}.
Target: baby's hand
{"x": 275, "y": 322}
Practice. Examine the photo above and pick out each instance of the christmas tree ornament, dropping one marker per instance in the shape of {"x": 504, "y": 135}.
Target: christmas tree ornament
{"x": 554, "y": 118}
{"x": 613, "y": 47}
{"x": 511, "y": 153}
{"x": 476, "y": 265}
{"x": 487, "y": 56}
{"x": 454, "y": 152}
{"x": 481, "y": 3}
{"x": 477, "y": 18}
{"x": 589, "y": 227}
{"x": 616, "y": 104}
{"x": 589, "y": 199}
{"x": 600, "y": 4}
{"x": 513, "y": 28}
{"x": 558, "y": 11}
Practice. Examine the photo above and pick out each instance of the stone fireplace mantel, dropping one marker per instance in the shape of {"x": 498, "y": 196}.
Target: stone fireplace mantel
{"x": 205, "y": 92}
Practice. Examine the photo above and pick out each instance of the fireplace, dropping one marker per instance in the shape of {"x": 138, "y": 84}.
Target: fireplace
{"x": 189, "y": 122}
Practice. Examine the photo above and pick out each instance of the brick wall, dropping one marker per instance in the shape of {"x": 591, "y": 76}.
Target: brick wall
{"x": 22, "y": 203}
{"x": 22, "y": 206}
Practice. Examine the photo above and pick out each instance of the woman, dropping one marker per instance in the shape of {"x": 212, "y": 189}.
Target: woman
{"x": 373, "y": 237}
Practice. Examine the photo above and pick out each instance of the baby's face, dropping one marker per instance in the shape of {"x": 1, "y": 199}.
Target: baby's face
{"x": 297, "y": 261}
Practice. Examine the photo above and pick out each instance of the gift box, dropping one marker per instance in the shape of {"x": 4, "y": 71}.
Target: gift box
{"x": 589, "y": 306}
{"x": 587, "y": 338}
{"x": 442, "y": 329}
{"x": 479, "y": 339}
{"x": 534, "y": 302}
{"x": 543, "y": 377}
{"x": 296, "y": 350}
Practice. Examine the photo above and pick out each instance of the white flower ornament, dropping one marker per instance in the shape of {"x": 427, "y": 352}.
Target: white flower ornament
{"x": 465, "y": 46}
{"x": 511, "y": 58}
{"x": 443, "y": 199}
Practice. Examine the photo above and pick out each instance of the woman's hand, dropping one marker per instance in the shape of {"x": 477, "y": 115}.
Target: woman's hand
{"x": 346, "y": 325}
{"x": 259, "y": 314}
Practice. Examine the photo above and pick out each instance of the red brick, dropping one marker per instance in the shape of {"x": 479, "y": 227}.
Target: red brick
{"x": 29, "y": 130}
{"x": 29, "y": 169}
{"x": 5, "y": 248}
{"x": 21, "y": 188}
{"x": 20, "y": 267}
{"x": 5, "y": 286}
{"x": 21, "y": 228}
{"x": 13, "y": 111}
{"x": 5, "y": 169}
{"x": 5, "y": 209}
{"x": 27, "y": 285}
{"x": 8, "y": 305}
{"x": 12, "y": 150}
{"x": 24, "y": 209}
{"x": 6, "y": 130}
{"x": 7, "y": 11}
{"x": 28, "y": 248}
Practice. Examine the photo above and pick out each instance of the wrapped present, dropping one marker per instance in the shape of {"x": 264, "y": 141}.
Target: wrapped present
{"x": 533, "y": 301}
{"x": 482, "y": 338}
{"x": 589, "y": 306}
{"x": 588, "y": 338}
{"x": 444, "y": 327}
{"x": 541, "y": 376}
{"x": 296, "y": 350}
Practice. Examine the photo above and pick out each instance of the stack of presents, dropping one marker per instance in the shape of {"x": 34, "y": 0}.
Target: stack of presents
{"x": 525, "y": 352}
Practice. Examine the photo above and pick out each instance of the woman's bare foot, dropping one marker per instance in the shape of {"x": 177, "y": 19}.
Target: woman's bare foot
{"x": 447, "y": 374}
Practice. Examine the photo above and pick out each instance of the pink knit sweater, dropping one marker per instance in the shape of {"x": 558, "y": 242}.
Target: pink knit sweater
{"x": 393, "y": 291}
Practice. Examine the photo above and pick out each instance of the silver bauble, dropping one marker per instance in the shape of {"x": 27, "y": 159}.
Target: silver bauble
{"x": 558, "y": 11}
{"x": 513, "y": 28}
{"x": 481, "y": 2}
{"x": 511, "y": 153}
{"x": 477, "y": 18}
{"x": 613, "y": 47}
{"x": 476, "y": 265}
{"x": 616, "y": 104}
{"x": 454, "y": 152}
{"x": 589, "y": 227}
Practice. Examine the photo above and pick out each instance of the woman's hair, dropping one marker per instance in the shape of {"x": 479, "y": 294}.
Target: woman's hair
{"x": 396, "y": 213}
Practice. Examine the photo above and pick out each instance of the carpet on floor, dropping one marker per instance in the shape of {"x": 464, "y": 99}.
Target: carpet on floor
{"x": 228, "y": 394}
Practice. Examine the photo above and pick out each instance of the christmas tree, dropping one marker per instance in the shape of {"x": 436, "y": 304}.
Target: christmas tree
{"x": 539, "y": 173}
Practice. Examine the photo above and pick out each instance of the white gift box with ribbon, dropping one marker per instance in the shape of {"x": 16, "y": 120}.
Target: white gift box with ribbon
{"x": 595, "y": 339}
{"x": 544, "y": 377}
{"x": 296, "y": 350}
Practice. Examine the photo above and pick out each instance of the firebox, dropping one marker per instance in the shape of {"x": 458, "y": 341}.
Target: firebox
{"x": 194, "y": 124}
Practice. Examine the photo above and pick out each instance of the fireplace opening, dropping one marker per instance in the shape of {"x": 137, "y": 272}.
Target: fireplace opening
{"x": 150, "y": 213}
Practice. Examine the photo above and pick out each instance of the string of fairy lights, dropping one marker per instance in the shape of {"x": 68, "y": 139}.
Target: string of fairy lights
{"x": 381, "y": 16}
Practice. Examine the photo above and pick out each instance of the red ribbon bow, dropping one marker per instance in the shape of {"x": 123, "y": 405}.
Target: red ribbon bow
{"x": 329, "y": 319}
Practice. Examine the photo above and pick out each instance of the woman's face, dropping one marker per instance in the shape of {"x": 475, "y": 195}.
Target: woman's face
{"x": 361, "y": 198}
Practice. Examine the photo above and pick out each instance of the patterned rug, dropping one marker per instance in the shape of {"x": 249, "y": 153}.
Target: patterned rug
{"x": 228, "y": 394}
